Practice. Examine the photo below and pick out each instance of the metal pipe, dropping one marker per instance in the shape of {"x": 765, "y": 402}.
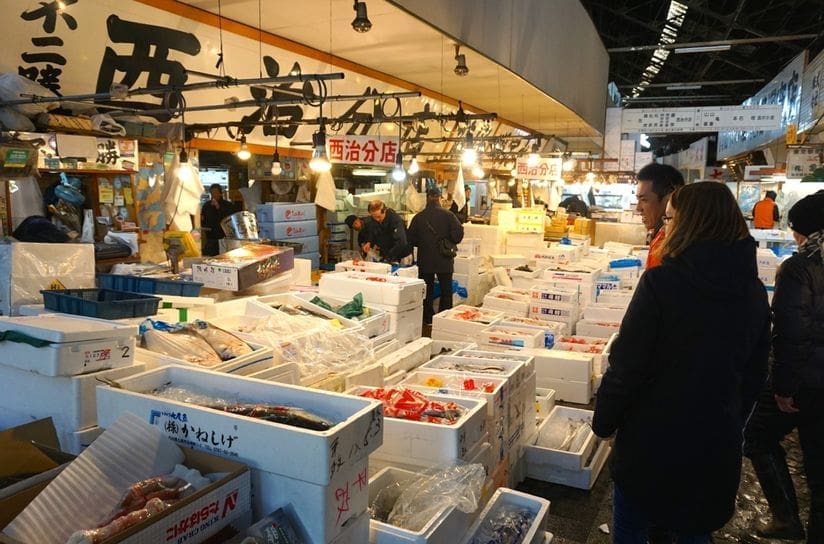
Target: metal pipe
{"x": 742, "y": 41}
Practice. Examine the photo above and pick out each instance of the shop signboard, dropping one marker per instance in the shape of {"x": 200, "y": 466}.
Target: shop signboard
{"x": 675, "y": 120}
{"x": 546, "y": 168}
{"x": 784, "y": 92}
{"x": 804, "y": 160}
{"x": 812, "y": 94}
{"x": 366, "y": 150}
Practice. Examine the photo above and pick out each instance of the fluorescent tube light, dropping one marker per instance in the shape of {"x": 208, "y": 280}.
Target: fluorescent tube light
{"x": 702, "y": 49}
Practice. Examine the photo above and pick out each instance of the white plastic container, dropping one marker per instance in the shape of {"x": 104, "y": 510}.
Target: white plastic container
{"x": 391, "y": 290}
{"x": 282, "y": 373}
{"x": 288, "y": 230}
{"x": 571, "y": 460}
{"x": 508, "y": 497}
{"x": 444, "y": 528}
{"x": 260, "y": 444}
{"x": 376, "y": 324}
{"x": 284, "y": 211}
{"x": 422, "y": 443}
{"x": 259, "y": 359}
{"x": 78, "y": 344}
{"x": 512, "y": 337}
{"x": 584, "y": 478}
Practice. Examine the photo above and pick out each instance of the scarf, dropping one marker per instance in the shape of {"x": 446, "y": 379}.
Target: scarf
{"x": 813, "y": 246}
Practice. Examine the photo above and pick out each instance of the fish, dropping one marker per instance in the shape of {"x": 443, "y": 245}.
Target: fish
{"x": 226, "y": 344}
{"x": 288, "y": 415}
{"x": 183, "y": 344}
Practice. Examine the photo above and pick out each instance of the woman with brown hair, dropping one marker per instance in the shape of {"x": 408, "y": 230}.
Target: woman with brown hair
{"x": 684, "y": 373}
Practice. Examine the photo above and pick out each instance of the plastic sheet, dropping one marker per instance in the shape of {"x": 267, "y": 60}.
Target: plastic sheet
{"x": 507, "y": 524}
{"x": 197, "y": 342}
{"x": 413, "y": 405}
{"x": 568, "y": 436}
{"x": 353, "y": 308}
{"x": 411, "y": 504}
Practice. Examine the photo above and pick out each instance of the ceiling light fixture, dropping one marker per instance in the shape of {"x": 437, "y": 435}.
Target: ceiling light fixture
{"x": 295, "y": 71}
{"x": 369, "y": 172}
{"x": 478, "y": 172}
{"x": 398, "y": 173}
{"x": 361, "y": 23}
{"x": 184, "y": 169}
{"x": 702, "y": 49}
{"x": 569, "y": 164}
{"x": 319, "y": 162}
{"x": 461, "y": 69}
{"x": 469, "y": 156}
{"x": 414, "y": 167}
{"x": 683, "y": 87}
{"x": 243, "y": 153}
{"x": 276, "y": 169}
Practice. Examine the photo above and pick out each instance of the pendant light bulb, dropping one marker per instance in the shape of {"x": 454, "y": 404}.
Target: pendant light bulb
{"x": 320, "y": 161}
{"x": 414, "y": 167}
{"x": 569, "y": 164}
{"x": 478, "y": 172}
{"x": 398, "y": 173}
{"x": 361, "y": 23}
{"x": 184, "y": 169}
{"x": 276, "y": 167}
{"x": 469, "y": 156}
{"x": 243, "y": 153}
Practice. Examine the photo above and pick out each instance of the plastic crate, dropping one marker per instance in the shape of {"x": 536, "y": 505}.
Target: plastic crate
{"x": 100, "y": 303}
{"x": 150, "y": 286}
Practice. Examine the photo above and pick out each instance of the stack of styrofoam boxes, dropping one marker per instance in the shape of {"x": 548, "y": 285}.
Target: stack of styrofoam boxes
{"x": 463, "y": 323}
{"x": 506, "y": 499}
{"x": 569, "y": 373}
{"x": 579, "y": 468}
{"x": 327, "y": 489}
{"x": 598, "y": 347}
{"x": 557, "y": 254}
{"x": 767, "y": 265}
{"x": 549, "y": 329}
{"x": 509, "y": 300}
{"x": 493, "y": 239}
{"x": 363, "y": 266}
{"x": 397, "y": 363}
{"x": 58, "y": 379}
{"x": 627, "y": 269}
{"x": 581, "y": 275}
{"x": 601, "y": 320}
{"x": 553, "y": 303}
{"x": 291, "y": 222}
{"x": 402, "y": 298}
{"x": 468, "y": 269}
{"x": 525, "y": 244}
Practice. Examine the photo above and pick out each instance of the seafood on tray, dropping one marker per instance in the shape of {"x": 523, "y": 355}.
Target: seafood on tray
{"x": 413, "y": 405}
{"x": 198, "y": 342}
{"x": 227, "y": 345}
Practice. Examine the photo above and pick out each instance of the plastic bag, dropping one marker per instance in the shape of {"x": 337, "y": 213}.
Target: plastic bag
{"x": 565, "y": 437}
{"x": 353, "y": 308}
{"x": 424, "y": 498}
{"x": 179, "y": 342}
{"x": 507, "y": 524}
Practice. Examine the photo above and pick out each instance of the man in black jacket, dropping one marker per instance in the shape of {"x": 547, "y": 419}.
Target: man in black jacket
{"x": 795, "y": 397}
{"x": 387, "y": 233}
{"x": 211, "y": 214}
{"x": 428, "y": 227}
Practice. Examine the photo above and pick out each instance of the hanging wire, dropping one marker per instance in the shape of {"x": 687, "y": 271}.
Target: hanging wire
{"x": 260, "y": 40}
{"x": 220, "y": 65}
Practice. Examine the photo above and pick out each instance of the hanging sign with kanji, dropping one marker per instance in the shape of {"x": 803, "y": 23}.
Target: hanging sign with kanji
{"x": 368, "y": 150}
{"x": 544, "y": 169}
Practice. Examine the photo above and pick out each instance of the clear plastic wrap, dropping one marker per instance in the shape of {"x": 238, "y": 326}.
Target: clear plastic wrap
{"x": 463, "y": 383}
{"x": 568, "y": 436}
{"x": 227, "y": 345}
{"x": 507, "y": 524}
{"x": 198, "y": 342}
{"x": 412, "y": 503}
{"x": 413, "y": 405}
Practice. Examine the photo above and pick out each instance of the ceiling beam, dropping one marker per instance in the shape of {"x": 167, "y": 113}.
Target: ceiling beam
{"x": 702, "y": 83}
{"x": 726, "y": 19}
{"x": 744, "y": 41}
{"x": 703, "y": 72}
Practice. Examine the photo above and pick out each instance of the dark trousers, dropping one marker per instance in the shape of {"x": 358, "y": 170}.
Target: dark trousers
{"x": 209, "y": 246}
{"x": 445, "y": 302}
{"x": 631, "y": 526}
{"x": 768, "y": 426}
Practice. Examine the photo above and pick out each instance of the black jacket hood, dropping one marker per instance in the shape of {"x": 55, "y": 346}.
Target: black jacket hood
{"x": 717, "y": 268}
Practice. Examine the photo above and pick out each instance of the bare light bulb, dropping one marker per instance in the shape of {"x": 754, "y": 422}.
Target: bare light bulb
{"x": 276, "y": 167}
{"x": 243, "y": 153}
{"x": 478, "y": 172}
{"x": 414, "y": 167}
{"x": 469, "y": 156}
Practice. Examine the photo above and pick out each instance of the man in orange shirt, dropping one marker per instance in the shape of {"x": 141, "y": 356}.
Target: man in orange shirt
{"x": 765, "y": 212}
{"x": 655, "y": 183}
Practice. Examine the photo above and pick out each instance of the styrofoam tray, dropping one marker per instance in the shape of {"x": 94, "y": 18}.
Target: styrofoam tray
{"x": 376, "y": 324}
{"x": 282, "y": 373}
{"x": 584, "y": 478}
{"x": 571, "y": 460}
{"x": 506, "y": 496}
{"x": 259, "y": 359}
{"x": 514, "y": 371}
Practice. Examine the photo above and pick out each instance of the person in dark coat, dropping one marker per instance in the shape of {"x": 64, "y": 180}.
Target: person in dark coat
{"x": 462, "y": 213}
{"x": 794, "y": 398}
{"x": 211, "y": 214}
{"x": 387, "y": 233}
{"x": 574, "y": 204}
{"x": 684, "y": 373}
{"x": 427, "y": 228}
{"x": 363, "y": 226}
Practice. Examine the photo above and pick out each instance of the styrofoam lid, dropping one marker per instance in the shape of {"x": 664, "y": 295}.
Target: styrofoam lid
{"x": 66, "y": 328}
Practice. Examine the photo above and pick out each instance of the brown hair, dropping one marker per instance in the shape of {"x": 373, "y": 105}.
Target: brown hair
{"x": 704, "y": 211}
{"x": 376, "y": 205}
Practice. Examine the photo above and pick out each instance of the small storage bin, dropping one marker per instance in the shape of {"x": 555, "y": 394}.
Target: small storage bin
{"x": 150, "y": 286}
{"x": 100, "y": 303}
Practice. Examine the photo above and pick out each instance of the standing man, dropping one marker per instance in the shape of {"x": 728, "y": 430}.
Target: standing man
{"x": 428, "y": 227}
{"x": 765, "y": 212}
{"x": 211, "y": 214}
{"x": 362, "y": 227}
{"x": 655, "y": 184}
{"x": 387, "y": 233}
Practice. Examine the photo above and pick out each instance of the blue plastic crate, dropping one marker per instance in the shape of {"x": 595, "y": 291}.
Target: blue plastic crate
{"x": 150, "y": 286}
{"x": 100, "y": 303}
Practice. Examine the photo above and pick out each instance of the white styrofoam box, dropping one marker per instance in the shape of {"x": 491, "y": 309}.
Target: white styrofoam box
{"x": 259, "y": 359}
{"x": 337, "y": 228}
{"x": 551, "y": 329}
{"x": 26, "y": 268}
{"x": 381, "y": 350}
{"x": 247, "y": 306}
{"x": 470, "y": 247}
{"x": 556, "y": 254}
{"x": 410, "y": 356}
{"x": 601, "y": 329}
{"x": 410, "y": 271}
{"x": 354, "y": 530}
{"x": 567, "y": 390}
{"x": 563, "y": 295}
{"x": 450, "y": 322}
{"x": 628, "y": 275}
{"x": 469, "y": 281}
{"x": 301, "y": 300}
{"x": 618, "y": 248}
{"x": 766, "y": 258}
{"x": 275, "y": 212}
{"x": 395, "y": 378}
{"x": 492, "y": 238}
{"x": 607, "y": 283}
{"x": 572, "y": 274}
{"x": 69, "y": 400}
{"x": 767, "y": 274}
{"x": 604, "y": 312}
{"x": 363, "y": 266}
{"x": 313, "y": 258}
{"x": 525, "y": 239}
{"x": 584, "y": 478}
{"x": 77, "y": 344}
{"x": 558, "y": 419}
{"x": 507, "y": 302}
{"x": 509, "y": 260}
{"x": 311, "y": 244}
{"x": 79, "y": 440}
{"x": 599, "y": 348}
{"x": 282, "y": 373}
{"x": 443, "y": 528}
{"x": 562, "y": 365}
{"x": 544, "y": 401}
{"x": 528, "y": 361}
{"x": 513, "y": 371}
{"x": 324, "y": 509}
{"x": 622, "y": 298}
{"x": 522, "y": 279}
{"x": 407, "y": 325}
{"x": 258, "y": 443}
{"x": 390, "y": 290}
{"x": 370, "y": 375}
{"x": 376, "y": 324}
{"x": 453, "y": 385}
{"x": 440, "y": 347}
{"x": 554, "y": 311}
{"x": 467, "y": 265}
{"x": 287, "y": 230}
{"x": 421, "y": 442}
{"x": 512, "y": 337}
{"x": 508, "y": 498}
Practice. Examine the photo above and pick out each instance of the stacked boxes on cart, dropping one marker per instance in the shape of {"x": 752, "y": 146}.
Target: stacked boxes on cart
{"x": 339, "y": 233}
{"x": 291, "y": 222}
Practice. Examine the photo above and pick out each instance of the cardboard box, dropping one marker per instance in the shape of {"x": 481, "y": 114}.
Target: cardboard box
{"x": 244, "y": 267}
{"x": 275, "y": 212}
{"x": 288, "y": 230}
{"x": 260, "y": 444}
{"x": 27, "y": 268}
